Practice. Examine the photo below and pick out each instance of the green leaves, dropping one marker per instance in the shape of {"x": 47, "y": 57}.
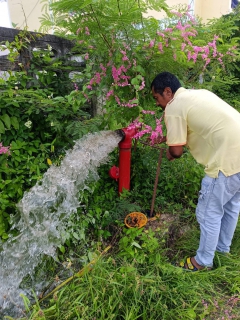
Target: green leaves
{"x": 135, "y": 244}
{"x": 138, "y": 244}
{"x": 2, "y": 128}
{"x": 7, "y": 122}
{"x": 6, "y": 119}
{"x": 14, "y": 122}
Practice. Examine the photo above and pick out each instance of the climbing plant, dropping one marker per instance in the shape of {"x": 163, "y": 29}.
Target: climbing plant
{"x": 125, "y": 49}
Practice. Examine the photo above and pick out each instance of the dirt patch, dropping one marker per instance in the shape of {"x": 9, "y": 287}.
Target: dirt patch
{"x": 162, "y": 221}
{"x": 170, "y": 228}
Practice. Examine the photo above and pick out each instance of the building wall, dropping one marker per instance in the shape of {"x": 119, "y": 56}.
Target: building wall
{"x": 170, "y": 3}
{"x": 208, "y": 9}
{"x": 27, "y": 12}
{"x": 205, "y": 9}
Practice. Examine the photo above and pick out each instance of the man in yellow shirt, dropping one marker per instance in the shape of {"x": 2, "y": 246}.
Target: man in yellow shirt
{"x": 210, "y": 128}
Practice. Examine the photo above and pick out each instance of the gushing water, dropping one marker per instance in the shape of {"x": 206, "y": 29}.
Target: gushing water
{"x": 44, "y": 211}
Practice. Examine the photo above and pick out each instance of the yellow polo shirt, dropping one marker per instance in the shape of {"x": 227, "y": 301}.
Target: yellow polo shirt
{"x": 208, "y": 126}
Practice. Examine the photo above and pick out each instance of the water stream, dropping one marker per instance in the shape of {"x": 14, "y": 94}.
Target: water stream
{"x": 44, "y": 209}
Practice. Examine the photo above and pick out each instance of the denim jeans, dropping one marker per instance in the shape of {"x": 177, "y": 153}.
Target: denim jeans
{"x": 217, "y": 213}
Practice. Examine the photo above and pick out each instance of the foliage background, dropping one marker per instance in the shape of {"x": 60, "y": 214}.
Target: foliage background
{"x": 123, "y": 51}
{"x": 41, "y": 121}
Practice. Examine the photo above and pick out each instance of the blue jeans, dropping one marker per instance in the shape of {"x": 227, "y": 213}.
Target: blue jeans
{"x": 217, "y": 213}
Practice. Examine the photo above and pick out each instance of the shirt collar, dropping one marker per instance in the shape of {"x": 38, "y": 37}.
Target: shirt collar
{"x": 180, "y": 90}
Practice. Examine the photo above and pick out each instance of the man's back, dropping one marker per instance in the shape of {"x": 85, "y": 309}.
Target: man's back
{"x": 208, "y": 126}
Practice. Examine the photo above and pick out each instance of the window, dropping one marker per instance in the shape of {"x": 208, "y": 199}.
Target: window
{"x": 234, "y": 3}
{"x": 191, "y": 6}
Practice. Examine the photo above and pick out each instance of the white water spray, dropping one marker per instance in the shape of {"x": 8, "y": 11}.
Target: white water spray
{"x": 44, "y": 210}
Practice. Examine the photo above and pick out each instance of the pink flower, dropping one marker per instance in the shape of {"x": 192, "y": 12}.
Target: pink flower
{"x": 160, "y": 47}
{"x": 230, "y": 53}
{"x": 129, "y": 104}
{"x": 151, "y": 44}
{"x": 118, "y": 100}
{"x": 148, "y": 112}
{"x": 116, "y": 73}
{"x": 109, "y": 94}
{"x": 183, "y": 46}
{"x": 189, "y": 34}
{"x": 87, "y": 32}
{"x": 179, "y": 26}
{"x": 160, "y": 34}
{"x": 194, "y": 57}
{"x": 136, "y": 124}
{"x": 86, "y": 96}
{"x": 4, "y": 149}
{"x": 76, "y": 87}
{"x": 126, "y": 46}
{"x": 206, "y": 49}
{"x": 104, "y": 70}
{"x": 197, "y": 49}
{"x": 204, "y": 56}
{"x": 96, "y": 79}
{"x": 147, "y": 129}
{"x": 207, "y": 62}
{"x": 142, "y": 86}
{"x": 139, "y": 134}
{"x": 221, "y": 62}
{"x": 178, "y": 14}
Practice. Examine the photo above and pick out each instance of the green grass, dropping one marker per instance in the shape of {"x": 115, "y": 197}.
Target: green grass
{"x": 117, "y": 290}
{"x": 122, "y": 288}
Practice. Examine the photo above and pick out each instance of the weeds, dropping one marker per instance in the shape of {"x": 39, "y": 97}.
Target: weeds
{"x": 137, "y": 281}
{"x": 116, "y": 289}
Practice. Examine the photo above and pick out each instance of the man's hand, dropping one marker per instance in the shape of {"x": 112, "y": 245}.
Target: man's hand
{"x": 174, "y": 152}
{"x": 169, "y": 156}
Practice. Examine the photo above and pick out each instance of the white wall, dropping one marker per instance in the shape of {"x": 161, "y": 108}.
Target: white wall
{"x": 5, "y": 20}
{"x": 27, "y": 12}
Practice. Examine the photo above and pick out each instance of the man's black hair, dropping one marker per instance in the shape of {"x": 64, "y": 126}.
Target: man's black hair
{"x": 163, "y": 80}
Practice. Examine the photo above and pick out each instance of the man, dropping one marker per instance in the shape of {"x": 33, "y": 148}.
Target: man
{"x": 210, "y": 128}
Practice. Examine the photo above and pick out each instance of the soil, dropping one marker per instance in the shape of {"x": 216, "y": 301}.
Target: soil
{"x": 169, "y": 227}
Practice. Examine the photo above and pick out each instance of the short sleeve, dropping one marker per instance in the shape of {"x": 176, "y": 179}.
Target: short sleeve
{"x": 176, "y": 130}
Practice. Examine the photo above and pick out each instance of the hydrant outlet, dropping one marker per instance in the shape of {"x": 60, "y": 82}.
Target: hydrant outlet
{"x": 121, "y": 133}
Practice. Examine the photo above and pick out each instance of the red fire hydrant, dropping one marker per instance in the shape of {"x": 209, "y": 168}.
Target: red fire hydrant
{"x": 122, "y": 173}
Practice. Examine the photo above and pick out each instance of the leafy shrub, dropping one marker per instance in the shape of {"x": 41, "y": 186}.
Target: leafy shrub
{"x": 178, "y": 181}
{"x": 33, "y": 123}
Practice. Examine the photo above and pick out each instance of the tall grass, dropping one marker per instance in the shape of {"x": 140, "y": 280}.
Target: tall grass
{"x": 117, "y": 288}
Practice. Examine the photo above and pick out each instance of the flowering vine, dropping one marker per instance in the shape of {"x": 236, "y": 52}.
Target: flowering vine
{"x": 121, "y": 81}
{"x": 185, "y": 33}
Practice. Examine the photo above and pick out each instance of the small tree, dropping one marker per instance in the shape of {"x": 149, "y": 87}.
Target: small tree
{"x": 125, "y": 49}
